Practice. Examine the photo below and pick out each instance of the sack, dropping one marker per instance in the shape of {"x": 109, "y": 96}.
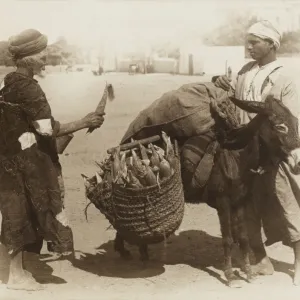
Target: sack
{"x": 181, "y": 113}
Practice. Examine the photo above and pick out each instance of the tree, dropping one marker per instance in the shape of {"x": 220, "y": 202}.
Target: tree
{"x": 5, "y": 57}
{"x": 61, "y": 52}
{"x": 232, "y": 33}
{"x": 290, "y": 42}
{"x": 166, "y": 50}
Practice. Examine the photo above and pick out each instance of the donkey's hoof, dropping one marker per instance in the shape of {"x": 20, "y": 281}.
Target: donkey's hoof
{"x": 251, "y": 278}
{"x": 235, "y": 283}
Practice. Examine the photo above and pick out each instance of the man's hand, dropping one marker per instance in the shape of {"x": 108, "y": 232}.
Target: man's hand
{"x": 93, "y": 120}
{"x": 223, "y": 82}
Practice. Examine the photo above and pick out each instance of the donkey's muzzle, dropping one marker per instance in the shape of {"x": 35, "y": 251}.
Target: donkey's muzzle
{"x": 294, "y": 161}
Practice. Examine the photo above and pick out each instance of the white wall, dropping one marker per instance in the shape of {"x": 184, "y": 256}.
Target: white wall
{"x": 212, "y": 60}
{"x": 164, "y": 65}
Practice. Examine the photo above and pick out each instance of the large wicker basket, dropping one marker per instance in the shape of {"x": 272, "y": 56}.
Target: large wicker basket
{"x": 151, "y": 214}
{"x": 143, "y": 216}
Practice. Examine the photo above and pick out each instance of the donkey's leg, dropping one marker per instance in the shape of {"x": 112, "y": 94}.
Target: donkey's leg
{"x": 144, "y": 255}
{"x": 241, "y": 229}
{"x": 225, "y": 223}
{"x": 263, "y": 265}
{"x": 120, "y": 247}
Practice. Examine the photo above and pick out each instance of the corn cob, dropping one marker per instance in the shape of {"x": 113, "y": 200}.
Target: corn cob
{"x": 167, "y": 141}
{"x": 123, "y": 166}
{"x": 144, "y": 155}
{"x": 116, "y": 167}
{"x": 98, "y": 178}
{"x": 133, "y": 182}
{"x": 159, "y": 150}
{"x": 164, "y": 168}
{"x": 100, "y": 110}
{"x": 100, "y": 169}
{"x": 149, "y": 178}
{"x": 155, "y": 157}
{"x": 170, "y": 153}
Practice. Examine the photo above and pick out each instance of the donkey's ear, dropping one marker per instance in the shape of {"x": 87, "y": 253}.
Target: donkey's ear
{"x": 271, "y": 101}
{"x": 250, "y": 106}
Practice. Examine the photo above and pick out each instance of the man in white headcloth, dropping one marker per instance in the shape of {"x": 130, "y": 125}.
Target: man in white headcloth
{"x": 275, "y": 205}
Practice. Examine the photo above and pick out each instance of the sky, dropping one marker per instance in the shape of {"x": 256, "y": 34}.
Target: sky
{"x": 114, "y": 24}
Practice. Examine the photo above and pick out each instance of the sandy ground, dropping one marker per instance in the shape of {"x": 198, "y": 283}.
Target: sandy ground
{"x": 188, "y": 266}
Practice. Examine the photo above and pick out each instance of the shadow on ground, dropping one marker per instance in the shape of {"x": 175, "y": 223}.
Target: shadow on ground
{"x": 195, "y": 248}
{"x": 41, "y": 271}
{"x": 283, "y": 267}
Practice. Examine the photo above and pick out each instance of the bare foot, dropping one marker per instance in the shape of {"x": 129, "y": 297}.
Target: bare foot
{"x": 264, "y": 267}
{"x": 25, "y": 283}
{"x": 296, "y": 279}
{"x": 28, "y": 274}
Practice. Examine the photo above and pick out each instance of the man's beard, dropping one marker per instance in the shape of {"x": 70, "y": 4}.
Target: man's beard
{"x": 41, "y": 74}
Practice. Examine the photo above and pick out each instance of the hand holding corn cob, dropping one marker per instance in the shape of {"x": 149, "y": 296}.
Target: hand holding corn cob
{"x": 100, "y": 110}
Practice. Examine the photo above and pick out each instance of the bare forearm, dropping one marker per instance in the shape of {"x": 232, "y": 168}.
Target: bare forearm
{"x": 71, "y": 127}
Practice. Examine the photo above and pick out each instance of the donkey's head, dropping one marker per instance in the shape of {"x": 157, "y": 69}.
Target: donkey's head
{"x": 279, "y": 129}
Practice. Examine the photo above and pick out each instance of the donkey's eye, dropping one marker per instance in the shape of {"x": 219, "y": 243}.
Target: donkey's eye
{"x": 282, "y": 128}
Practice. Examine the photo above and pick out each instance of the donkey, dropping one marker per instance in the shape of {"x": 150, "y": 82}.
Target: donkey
{"x": 237, "y": 158}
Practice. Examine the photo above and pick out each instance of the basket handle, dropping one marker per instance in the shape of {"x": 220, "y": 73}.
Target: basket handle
{"x": 134, "y": 144}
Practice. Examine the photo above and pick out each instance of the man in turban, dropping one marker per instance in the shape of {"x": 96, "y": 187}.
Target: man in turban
{"x": 31, "y": 201}
{"x": 274, "y": 204}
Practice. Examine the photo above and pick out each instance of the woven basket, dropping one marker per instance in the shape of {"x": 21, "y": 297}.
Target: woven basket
{"x": 100, "y": 196}
{"x": 149, "y": 215}
{"x": 143, "y": 216}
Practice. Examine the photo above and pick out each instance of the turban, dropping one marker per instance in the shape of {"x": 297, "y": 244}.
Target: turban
{"x": 265, "y": 30}
{"x": 26, "y": 43}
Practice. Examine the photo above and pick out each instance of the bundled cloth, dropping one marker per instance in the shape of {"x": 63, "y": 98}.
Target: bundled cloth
{"x": 181, "y": 113}
{"x": 26, "y": 43}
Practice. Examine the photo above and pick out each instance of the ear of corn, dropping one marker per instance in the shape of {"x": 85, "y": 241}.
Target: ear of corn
{"x": 170, "y": 153}
{"x": 143, "y": 152}
{"x": 164, "y": 167}
{"x": 159, "y": 150}
{"x": 136, "y": 168}
{"x": 154, "y": 157}
{"x": 133, "y": 182}
{"x": 123, "y": 166}
{"x": 98, "y": 178}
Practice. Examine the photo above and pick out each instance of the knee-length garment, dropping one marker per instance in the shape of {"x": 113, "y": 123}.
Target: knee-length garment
{"x": 30, "y": 196}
